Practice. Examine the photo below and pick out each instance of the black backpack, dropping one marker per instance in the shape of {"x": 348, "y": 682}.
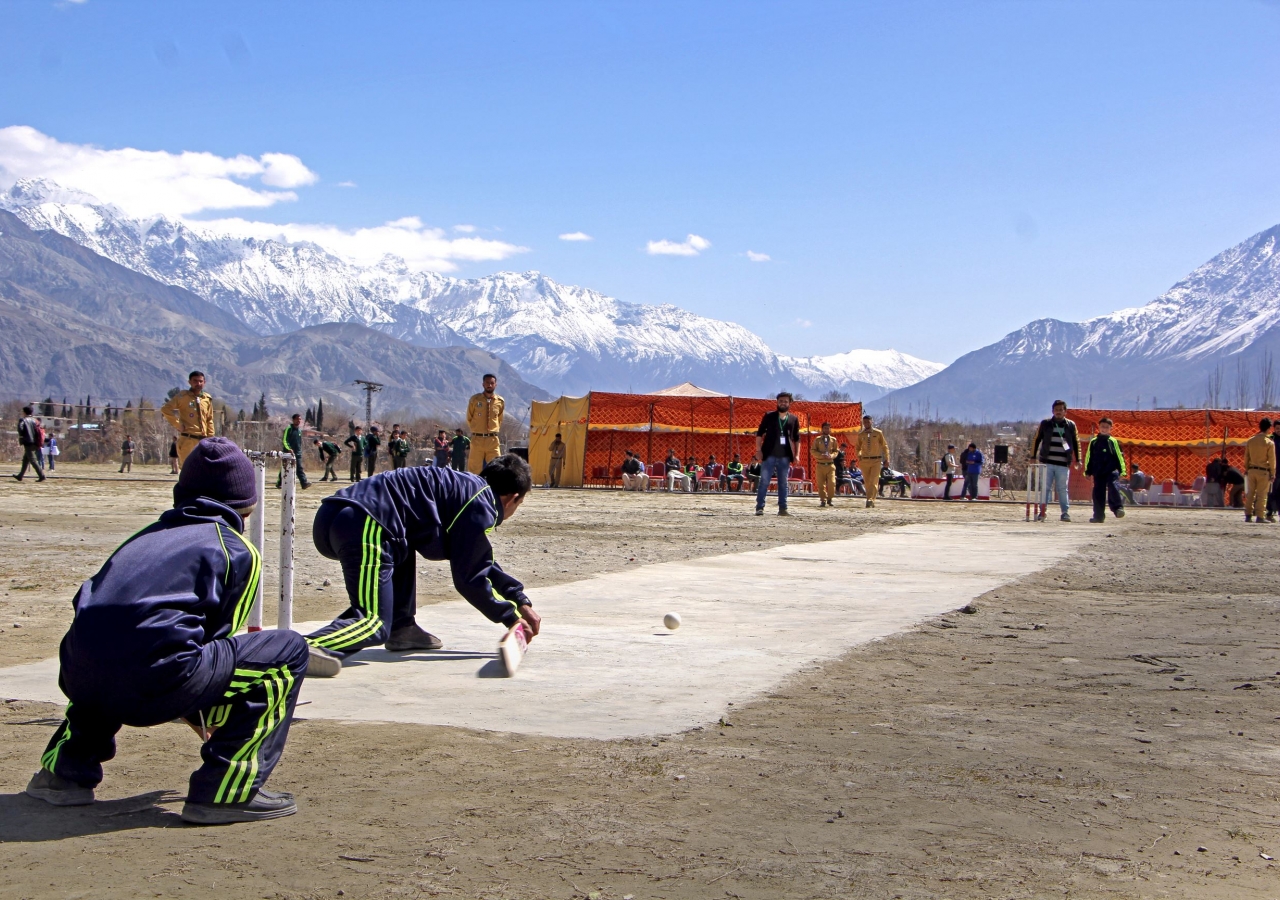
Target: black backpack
{"x": 945, "y": 466}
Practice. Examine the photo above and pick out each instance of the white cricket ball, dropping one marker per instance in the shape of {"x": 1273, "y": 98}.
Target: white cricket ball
{"x": 671, "y": 620}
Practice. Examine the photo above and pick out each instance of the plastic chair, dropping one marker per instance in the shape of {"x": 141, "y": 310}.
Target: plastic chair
{"x": 710, "y": 480}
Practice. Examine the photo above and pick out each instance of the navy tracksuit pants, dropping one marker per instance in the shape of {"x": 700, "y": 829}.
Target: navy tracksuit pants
{"x": 249, "y": 717}
{"x": 381, "y": 579}
{"x": 1106, "y": 492}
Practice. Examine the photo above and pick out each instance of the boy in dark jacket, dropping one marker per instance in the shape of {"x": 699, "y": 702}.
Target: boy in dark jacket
{"x": 1104, "y": 462}
{"x": 374, "y": 528}
{"x": 152, "y": 641}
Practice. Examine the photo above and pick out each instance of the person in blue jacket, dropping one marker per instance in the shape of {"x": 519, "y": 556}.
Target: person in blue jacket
{"x": 374, "y": 528}
{"x": 971, "y": 464}
{"x": 154, "y": 639}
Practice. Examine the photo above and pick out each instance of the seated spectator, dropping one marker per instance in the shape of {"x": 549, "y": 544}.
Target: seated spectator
{"x": 733, "y": 474}
{"x": 1233, "y": 485}
{"x": 1212, "y": 493}
{"x": 675, "y": 474}
{"x": 753, "y": 472}
{"x": 634, "y": 477}
{"x": 693, "y": 471}
{"x": 843, "y": 478}
{"x": 894, "y": 479}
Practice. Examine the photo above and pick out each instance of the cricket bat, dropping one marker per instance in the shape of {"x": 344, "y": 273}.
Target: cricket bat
{"x": 512, "y": 647}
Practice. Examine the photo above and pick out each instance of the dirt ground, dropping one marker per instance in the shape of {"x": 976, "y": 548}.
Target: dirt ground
{"x": 1105, "y": 728}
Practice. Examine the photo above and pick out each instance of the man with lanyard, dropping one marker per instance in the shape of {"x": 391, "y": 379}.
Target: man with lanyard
{"x": 356, "y": 442}
{"x": 873, "y": 458}
{"x": 824, "y": 450}
{"x": 776, "y": 440}
{"x": 191, "y": 413}
{"x": 949, "y": 470}
{"x": 733, "y": 474}
{"x": 291, "y": 441}
{"x": 328, "y": 451}
{"x": 484, "y": 418}
{"x": 374, "y": 529}
{"x": 1055, "y": 446}
{"x": 1260, "y": 470}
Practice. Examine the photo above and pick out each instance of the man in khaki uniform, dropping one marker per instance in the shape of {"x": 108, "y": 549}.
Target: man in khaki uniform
{"x": 824, "y": 449}
{"x": 873, "y": 453}
{"x": 191, "y": 413}
{"x": 1260, "y": 468}
{"x": 557, "y": 461}
{"x": 484, "y": 419}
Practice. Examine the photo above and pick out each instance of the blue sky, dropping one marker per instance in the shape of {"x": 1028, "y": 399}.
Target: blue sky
{"x": 922, "y": 176}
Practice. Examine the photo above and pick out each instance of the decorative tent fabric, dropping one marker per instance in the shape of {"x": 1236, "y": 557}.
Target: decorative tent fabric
{"x": 568, "y": 416}
{"x": 1170, "y": 444}
{"x": 694, "y": 425}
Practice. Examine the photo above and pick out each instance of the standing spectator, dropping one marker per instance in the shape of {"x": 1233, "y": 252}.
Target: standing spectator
{"x": 441, "y": 448}
{"x": 328, "y": 451}
{"x": 173, "y": 457}
{"x": 733, "y": 474}
{"x": 399, "y": 449}
{"x": 484, "y": 418}
{"x": 291, "y": 442}
{"x": 355, "y": 441}
{"x": 1211, "y": 494}
{"x": 557, "y": 462}
{"x": 1273, "y": 499}
{"x": 372, "y": 441}
{"x": 971, "y": 460}
{"x": 1056, "y": 446}
{"x": 1104, "y": 462}
{"x": 776, "y": 441}
{"x": 634, "y": 477}
{"x": 31, "y": 437}
{"x": 1232, "y": 485}
{"x": 51, "y": 451}
{"x": 824, "y": 450}
{"x": 1260, "y": 467}
{"x": 948, "y": 464}
{"x": 127, "y": 446}
{"x": 191, "y": 413}
{"x": 459, "y": 450}
{"x": 873, "y": 458}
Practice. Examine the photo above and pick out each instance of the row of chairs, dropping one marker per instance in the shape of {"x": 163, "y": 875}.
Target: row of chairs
{"x": 797, "y": 479}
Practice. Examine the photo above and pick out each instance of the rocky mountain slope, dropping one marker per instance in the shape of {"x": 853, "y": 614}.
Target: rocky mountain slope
{"x": 1222, "y": 320}
{"x": 73, "y": 323}
{"x": 565, "y": 338}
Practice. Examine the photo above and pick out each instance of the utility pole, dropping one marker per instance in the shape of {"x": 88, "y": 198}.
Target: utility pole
{"x": 370, "y": 388}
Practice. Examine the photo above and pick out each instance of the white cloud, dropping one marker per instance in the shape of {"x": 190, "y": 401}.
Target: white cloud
{"x": 465, "y": 229}
{"x": 757, "y": 257}
{"x": 576, "y": 236}
{"x": 347, "y": 184}
{"x": 419, "y": 246}
{"x": 692, "y": 246}
{"x": 804, "y": 323}
{"x": 146, "y": 183}
{"x": 152, "y": 182}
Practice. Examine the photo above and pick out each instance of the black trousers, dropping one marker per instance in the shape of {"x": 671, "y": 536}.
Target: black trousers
{"x": 249, "y": 718}
{"x": 31, "y": 456}
{"x": 946, "y": 492}
{"x": 1106, "y": 492}
{"x": 357, "y": 466}
{"x": 301, "y": 473}
{"x": 371, "y": 463}
{"x": 381, "y": 579}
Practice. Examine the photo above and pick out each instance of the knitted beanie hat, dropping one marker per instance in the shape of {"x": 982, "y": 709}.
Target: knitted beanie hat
{"x": 219, "y": 470}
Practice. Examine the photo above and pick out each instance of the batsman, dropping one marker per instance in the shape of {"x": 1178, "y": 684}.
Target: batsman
{"x": 374, "y": 529}
{"x": 154, "y": 639}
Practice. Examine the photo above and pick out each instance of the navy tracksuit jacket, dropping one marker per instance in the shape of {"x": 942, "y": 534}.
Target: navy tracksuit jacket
{"x": 152, "y": 641}
{"x": 374, "y": 528}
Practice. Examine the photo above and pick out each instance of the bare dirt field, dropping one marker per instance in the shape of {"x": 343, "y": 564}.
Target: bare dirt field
{"x": 1104, "y": 728}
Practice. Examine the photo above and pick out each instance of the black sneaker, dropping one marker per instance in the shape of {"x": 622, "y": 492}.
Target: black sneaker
{"x": 321, "y": 663}
{"x": 759, "y": 512}
{"x": 1119, "y": 513}
{"x": 411, "y": 637}
{"x": 58, "y": 791}
{"x": 783, "y": 512}
{"x": 17, "y": 477}
{"x": 1248, "y": 518}
{"x": 1066, "y": 517}
{"x": 264, "y": 805}
{"x": 1097, "y": 520}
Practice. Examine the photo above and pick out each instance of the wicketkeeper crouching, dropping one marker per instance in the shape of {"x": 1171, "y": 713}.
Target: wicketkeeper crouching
{"x": 152, "y": 641}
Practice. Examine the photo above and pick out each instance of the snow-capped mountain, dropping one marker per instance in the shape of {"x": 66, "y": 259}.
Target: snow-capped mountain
{"x": 562, "y": 337}
{"x": 1223, "y": 319}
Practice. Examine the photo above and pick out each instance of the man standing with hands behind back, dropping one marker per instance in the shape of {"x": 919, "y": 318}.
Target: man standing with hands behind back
{"x": 873, "y": 455}
{"x": 824, "y": 450}
{"x": 484, "y": 420}
{"x": 1260, "y": 470}
{"x": 776, "y": 440}
{"x": 191, "y": 413}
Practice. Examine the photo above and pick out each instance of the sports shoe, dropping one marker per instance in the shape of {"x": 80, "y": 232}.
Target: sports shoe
{"x": 1096, "y": 520}
{"x": 321, "y": 663}
{"x": 1066, "y": 517}
{"x": 759, "y": 512}
{"x": 411, "y": 637}
{"x": 1119, "y": 513}
{"x": 1040, "y": 517}
{"x": 783, "y": 512}
{"x": 1248, "y": 518}
{"x": 58, "y": 791}
{"x": 264, "y": 805}
{"x": 1271, "y": 517}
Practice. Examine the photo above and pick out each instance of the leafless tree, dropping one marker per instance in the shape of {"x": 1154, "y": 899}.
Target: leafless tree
{"x": 1241, "y": 390}
{"x": 1266, "y": 381}
{"x": 1213, "y": 388}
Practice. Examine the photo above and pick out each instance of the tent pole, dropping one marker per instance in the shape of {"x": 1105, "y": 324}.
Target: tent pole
{"x": 650, "y": 435}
